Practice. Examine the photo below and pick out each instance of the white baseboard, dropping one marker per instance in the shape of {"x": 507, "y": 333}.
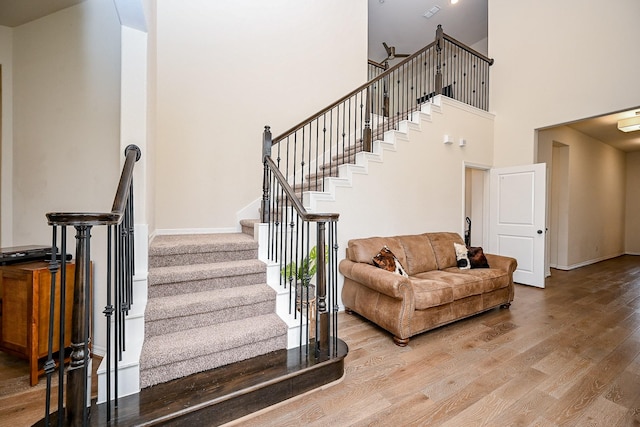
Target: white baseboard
{"x": 174, "y": 231}
{"x": 585, "y": 263}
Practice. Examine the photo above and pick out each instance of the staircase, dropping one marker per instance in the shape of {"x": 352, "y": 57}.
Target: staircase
{"x": 208, "y": 306}
{"x": 348, "y": 154}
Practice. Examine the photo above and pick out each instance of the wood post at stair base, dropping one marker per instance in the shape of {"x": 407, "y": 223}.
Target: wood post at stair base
{"x": 77, "y": 379}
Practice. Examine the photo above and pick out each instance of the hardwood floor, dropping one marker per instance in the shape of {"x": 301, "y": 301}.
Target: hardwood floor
{"x": 22, "y": 405}
{"x": 567, "y": 355}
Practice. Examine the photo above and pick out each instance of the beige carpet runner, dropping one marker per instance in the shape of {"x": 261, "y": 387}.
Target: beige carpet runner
{"x": 208, "y": 306}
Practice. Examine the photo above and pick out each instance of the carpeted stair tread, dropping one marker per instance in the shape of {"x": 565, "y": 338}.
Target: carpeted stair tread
{"x": 203, "y": 253}
{"x": 185, "y": 273}
{"x": 184, "y": 312}
{"x": 198, "y": 243}
{"x": 183, "y": 353}
{"x": 208, "y": 306}
{"x": 316, "y": 179}
{"x": 208, "y": 301}
{"x": 179, "y": 346}
{"x": 247, "y": 226}
{"x": 351, "y": 150}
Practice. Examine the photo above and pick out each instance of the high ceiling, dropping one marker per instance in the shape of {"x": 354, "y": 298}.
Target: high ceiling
{"x": 18, "y": 12}
{"x": 399, "y": 23}
{"x": 402, "y": 24}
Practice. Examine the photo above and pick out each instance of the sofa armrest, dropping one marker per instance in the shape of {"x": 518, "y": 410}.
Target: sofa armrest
{"x": 377, "y": 279}
{"x": 502, "y": 262}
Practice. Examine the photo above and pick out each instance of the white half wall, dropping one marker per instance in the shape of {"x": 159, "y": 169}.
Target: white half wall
{"x": 557, "y": 62}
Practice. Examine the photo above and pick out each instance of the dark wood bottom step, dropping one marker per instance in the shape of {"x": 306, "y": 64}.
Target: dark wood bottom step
{"x": 224, "y": 394}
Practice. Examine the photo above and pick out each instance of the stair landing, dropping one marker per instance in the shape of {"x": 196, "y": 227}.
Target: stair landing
{"x": 228, "y": 393}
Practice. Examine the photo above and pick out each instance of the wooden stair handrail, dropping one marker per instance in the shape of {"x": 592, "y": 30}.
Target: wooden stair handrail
{"x": 297, "y": 205}
{"x": 467, "y": 48}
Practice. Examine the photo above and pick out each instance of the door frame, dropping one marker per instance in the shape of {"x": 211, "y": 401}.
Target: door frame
{"x": 485, "y": 199}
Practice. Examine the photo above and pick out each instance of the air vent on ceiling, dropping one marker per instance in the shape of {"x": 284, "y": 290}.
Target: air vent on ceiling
{"x": 429, "y": 13}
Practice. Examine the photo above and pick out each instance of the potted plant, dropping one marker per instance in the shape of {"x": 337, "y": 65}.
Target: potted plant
{"x": 305, "y": 290}
{"x": 305, "y": 271}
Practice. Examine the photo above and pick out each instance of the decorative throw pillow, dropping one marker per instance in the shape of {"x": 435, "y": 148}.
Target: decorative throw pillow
{"x": 386, "y": 260}
{"x": 462, "y": 256}
{"x": 477, "y": 258}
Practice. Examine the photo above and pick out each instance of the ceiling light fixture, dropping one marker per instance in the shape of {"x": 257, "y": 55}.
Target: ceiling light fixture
{"x": 629, "y": 125}
{"x": 454, "y": 1}
{"x": 429, "y": 13}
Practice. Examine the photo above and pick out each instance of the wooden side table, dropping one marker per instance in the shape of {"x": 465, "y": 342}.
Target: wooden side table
{"x": 24, "y": 311}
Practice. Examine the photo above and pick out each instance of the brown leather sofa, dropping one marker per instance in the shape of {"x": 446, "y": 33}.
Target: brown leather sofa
{"x": 436, "y": 292}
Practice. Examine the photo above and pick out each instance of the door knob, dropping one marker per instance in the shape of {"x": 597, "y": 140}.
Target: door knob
{"x": 539, "y": 231}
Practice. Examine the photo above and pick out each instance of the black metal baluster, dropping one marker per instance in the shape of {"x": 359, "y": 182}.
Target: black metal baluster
{"x": 63, "y": 311}
{"x": 50, "y": 366}
{"x": 108, "y": 312}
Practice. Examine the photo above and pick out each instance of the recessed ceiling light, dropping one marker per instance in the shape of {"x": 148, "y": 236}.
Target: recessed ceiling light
{"x": 454, "y": 1}
{"x": 429, "y": 13}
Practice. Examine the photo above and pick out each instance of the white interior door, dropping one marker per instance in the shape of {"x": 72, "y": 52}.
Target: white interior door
{"x": 517, "y": 219}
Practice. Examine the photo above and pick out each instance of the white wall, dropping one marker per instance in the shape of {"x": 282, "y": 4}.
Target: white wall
{"x": 6, "y": 138}
{"x": 224, "y": 70}
{"x": 594, "y": 208}
{"x": 556, "y": 62}
{"x": 66, "y": 128}
{"x": 481, "y": 46}
{"x": 66, "y": 116}
{"x": 150, "y": 178}
{"x": 632, "y": 218}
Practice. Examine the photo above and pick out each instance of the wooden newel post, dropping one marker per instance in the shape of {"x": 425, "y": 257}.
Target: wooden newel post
{"x": 78, "y": 380}
{"x": 322, "y": 339}
{"x": 439, "y": 45}
{"x": 266, "y": 152}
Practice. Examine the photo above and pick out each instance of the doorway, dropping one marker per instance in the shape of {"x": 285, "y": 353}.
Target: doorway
{"x": 476, "y": 180}
{"x": 558, "y": 210}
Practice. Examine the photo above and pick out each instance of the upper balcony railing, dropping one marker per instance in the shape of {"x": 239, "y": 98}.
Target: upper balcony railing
{"x": 313, "y": 149}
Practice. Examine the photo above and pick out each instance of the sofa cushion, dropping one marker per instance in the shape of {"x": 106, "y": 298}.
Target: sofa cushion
{"x": 386, "y": 260}
{"x": 462, "y": 285}
{"x": 429, "y": 293}
{"x": 442, "y": 244}
{"x": 363, "y": 250}
{"x": 490, "y": 278}
{"x": 419, "y": 254}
